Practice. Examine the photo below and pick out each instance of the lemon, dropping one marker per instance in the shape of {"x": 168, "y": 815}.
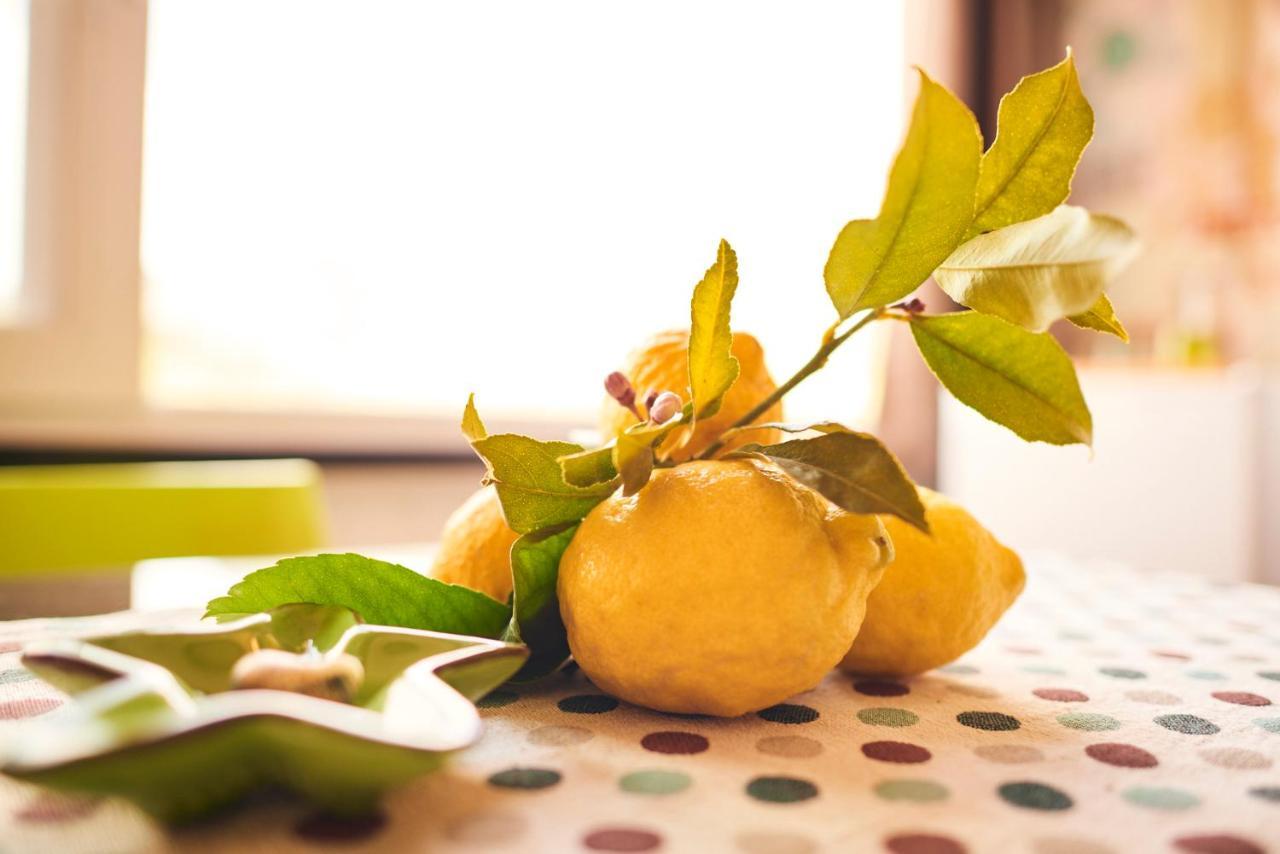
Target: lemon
{"x": 475, "y": 547}
{"x": 662, "y": 364}
{"x": 939, "y": 597}
{"x": 720, "y": 588}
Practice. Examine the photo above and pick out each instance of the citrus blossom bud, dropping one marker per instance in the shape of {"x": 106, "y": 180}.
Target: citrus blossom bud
{"x": 619, "y": 388}
{"x": 665, "y": 407}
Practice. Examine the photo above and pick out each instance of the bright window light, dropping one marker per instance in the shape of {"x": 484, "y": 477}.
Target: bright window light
{"x": 13, "y": 145}
{"x": 382, "y": 206}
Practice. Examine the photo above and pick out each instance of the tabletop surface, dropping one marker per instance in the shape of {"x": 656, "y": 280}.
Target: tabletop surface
{"x": 1110, "y": 711}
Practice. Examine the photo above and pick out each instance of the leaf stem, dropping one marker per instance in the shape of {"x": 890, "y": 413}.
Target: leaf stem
{"x": 830, "y": 341}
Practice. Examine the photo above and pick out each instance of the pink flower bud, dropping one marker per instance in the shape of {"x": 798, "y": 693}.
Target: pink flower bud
{"x": 619, "y": 388}
{"x": 649, "y": 397}
{"x": 665, "y": 407}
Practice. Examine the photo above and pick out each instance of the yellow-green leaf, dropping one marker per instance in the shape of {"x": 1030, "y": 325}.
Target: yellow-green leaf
{"x": 472, "y": 426}
{"x": 633, "y": 451}
{"x": 588, "y": 468}
{"x": 712, "y": 367}
{"x": 927, "y": 208}
{"x": 531, "y": 487}
{"x": 1101, "y": 317}
{"x": 1037, "y": 272}
{"x": 851, "y": 470}
{"x": 1042, "y": 128}
{"x": 1023, "y": 380}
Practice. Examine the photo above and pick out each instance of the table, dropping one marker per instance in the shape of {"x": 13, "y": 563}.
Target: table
{"x": 1111, "y": 711}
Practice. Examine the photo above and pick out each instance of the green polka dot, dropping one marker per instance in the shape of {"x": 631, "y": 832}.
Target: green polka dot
{"x": 497, "y": 699}
{"x": 1187, "y": 724}
{"x": 916, "y": 791}
{"x": 13, "y": 677}
{"x": 1270, "y": 674}
{"x": 654, "y": 782}
{"x": 1122, "y": 673}
{"x": 1035, "y": 796}
{"x": 1160, "y": 798}
{"x": 888, "y": 717}
{"x": 1269, "y": 724}
{"x": 1088, "y": 721}
{"x": 990, "y": 721}
{"x": 525, "y": 778}
{"x": 1206, "y": 675}
{"x": 1266, "y": 793}
{"x": 1044, "y": 669}
{"x": 781, "y": 790}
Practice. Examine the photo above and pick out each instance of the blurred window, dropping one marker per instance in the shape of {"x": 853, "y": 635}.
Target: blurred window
{"x": 13, "y": 144}
{"x": 377, "y": 207}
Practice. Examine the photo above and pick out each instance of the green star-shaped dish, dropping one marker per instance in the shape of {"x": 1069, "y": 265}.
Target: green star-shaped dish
{"x": 155, "y": 719}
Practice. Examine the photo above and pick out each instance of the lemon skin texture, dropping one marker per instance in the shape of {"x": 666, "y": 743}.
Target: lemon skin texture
{"x": 939, "y": 597}
{"x": 662, "y": 364}
{"x": 475, "y": 547}
{"x": 721, "y": 588}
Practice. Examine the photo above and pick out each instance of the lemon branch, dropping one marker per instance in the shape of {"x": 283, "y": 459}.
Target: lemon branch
{"x": 830, "y": 341}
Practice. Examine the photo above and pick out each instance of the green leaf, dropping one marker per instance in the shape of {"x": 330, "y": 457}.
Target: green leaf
{"x": 1042, "y": 128}
{"x": 1023, "y": 380}
{"x": 588, "y": 468}
{"x": 535, "y": 620}
{"x": 1037, "y": 272}
{"x": 381, "y": 593}
{"x": 472, "y": 426}
{"x": 712, "y": 367}
{"x": 927, "y": 207}
{"x": 1101, "y": 317}
{"x": 530, "y": 483}
{"x": 633, "y": 452}
{"x": 851, "y": 470}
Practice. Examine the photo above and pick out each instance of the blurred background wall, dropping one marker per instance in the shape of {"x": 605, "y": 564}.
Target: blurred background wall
{"x": 311, "y": 228}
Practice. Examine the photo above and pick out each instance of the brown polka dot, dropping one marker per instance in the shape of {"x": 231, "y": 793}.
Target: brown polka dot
{"x": 53, "y": 808}
{"x": 1236, "y": 758}
{"x": 1121, "y": 755}
{"x": 1061, "y": 695}
{"x": 1009, "y": 754}
{"x": 1241, "y": 698}
{"x": 486, "y": 828}
{"x": 1155, "y": 698}
{"x": 790, "y": 746}
{"x": 923, "y": 843}
{"x": 1176, "y": 656}
{"x": 775, "y": 843}
{"x": 558, "y": 736}
{"x": 327, "y": 827}
{"x": 27, "y": 707}
{"x": 896, "y": 751}
{"x": 880, "y": 688}
{"x": 1217, "y": 844}
{"x": 674, "y": 742}
{"x": 622, "y": 839}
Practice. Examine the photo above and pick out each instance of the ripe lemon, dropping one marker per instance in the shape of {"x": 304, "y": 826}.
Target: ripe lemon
{"x": 939, "y": 597}
{"x": 720, "y": 588}
{"x": 661, "y": 364}
{"x": 475, "y": 547}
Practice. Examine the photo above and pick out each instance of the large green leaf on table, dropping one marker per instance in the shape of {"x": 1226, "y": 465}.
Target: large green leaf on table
{"x": 927, "y": 207}
{"x": 1037, "y": 272}
{"x": 588, "y": 468}
{"x": 1101, "y": 317}
{"x": 712, "y": 367}
{"x": 1023, "y": 380}
{"x": 535, "y": 618}
{"x": 382, "y": 593}
{"x": 1042, "y": 128}
{"x": 531, "y": 486}
{"x": 852, "y": 470}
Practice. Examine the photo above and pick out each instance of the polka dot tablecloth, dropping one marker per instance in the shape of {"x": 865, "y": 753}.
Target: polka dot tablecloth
{"x": 1110, "y": 711}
